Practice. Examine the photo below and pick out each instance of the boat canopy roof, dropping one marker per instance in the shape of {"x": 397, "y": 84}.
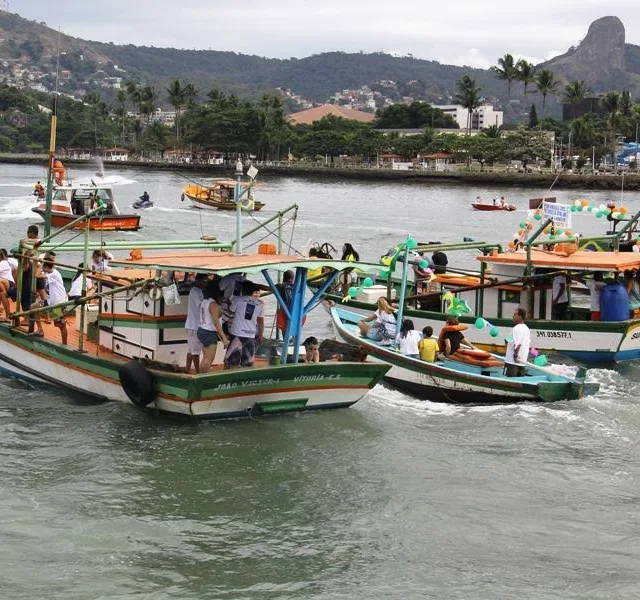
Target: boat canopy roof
{"x": 581, "y": 260}
{"x": 225, "y": 263}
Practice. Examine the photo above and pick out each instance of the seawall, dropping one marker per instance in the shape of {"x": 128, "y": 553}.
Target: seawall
{"x": 473, "y": 177}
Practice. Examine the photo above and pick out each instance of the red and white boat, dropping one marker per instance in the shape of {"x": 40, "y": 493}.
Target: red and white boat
{"x": 483, "y": 206}
{"x": 71, "y": 200}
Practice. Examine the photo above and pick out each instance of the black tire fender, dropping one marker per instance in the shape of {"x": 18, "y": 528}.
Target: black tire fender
{"x": 138, "y": 384}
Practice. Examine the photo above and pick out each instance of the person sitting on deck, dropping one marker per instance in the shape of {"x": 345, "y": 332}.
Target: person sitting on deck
{"x": 408, "y": 339}
{"x": 428, "y": 347}
{"x": 451, "y": 337}
{"x": 384, "y": 327}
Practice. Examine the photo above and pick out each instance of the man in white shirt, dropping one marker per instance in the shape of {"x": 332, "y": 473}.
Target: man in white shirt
{"x": 518, "y": 346}
{"x": 595, "y": 286}
{"x": 57, "y": 294}
{"x": 246, "y": 328}
{"x": 559, "y": 297}
{"x": 194, "y": 346}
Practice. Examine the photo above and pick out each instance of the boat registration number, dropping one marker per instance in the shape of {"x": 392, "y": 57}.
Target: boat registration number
{"x": 554, "y": 334}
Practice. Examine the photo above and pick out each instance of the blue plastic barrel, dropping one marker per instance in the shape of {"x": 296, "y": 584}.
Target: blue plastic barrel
{"x": 614, "y": 302}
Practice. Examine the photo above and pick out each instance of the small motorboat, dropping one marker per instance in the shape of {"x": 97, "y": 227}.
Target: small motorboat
{"x": 483, "y": 206}
{"x": 143, "y": 202}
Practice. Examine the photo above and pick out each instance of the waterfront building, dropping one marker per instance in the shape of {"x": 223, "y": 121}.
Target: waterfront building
{"x": 482, "y": 117}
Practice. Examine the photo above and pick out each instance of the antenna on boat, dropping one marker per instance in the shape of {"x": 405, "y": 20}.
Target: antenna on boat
{"x": 52, "y": 148}
{"x": 239, "y": 173}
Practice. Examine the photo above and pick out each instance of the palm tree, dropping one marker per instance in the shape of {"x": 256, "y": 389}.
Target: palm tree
{"x": 468, "y": 96}
{"x": 121, "y": 99}
{"x": 507, "y": 70}
{"x": 547, "y": 84}
{"x": 176, "y": 97}
{"x": 612, "y": 102}
{"x": 493, "y": 131}
{"x": 574, "y": 94}
{"x": 526, "y": 73}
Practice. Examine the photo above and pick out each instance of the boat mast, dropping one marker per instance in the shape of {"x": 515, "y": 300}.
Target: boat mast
{"x": 237, "y": 198}
{"x": 52, "y": 149}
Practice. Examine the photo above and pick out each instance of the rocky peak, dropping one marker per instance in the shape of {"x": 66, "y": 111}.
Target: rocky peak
{"x": 599, "y": 56}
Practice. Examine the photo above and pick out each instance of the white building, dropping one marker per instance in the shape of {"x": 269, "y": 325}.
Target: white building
{"x": 482, "y": 117}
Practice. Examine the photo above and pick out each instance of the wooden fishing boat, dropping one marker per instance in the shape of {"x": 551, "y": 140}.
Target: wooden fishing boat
{"x": 220, "y": 195}
{"x": 508, "y": 280}
{"x": 129, "y": 346}
{"x": 490, "y": 207}
{"x": 70, "y": 200}
{"x": 478, "y": 381}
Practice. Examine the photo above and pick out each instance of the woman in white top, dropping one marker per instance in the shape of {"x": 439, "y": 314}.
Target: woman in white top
{"x": 384, "y": 327}
{"x": 100, "y": 261}
{"x": 75, "y": 291}
{"x": 408, "y": 339}
{"x": 6, "y": 283}
{"x": 210, "y": 327}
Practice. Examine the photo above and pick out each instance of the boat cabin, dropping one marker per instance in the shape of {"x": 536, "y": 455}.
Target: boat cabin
{"x": 508, "y": 269}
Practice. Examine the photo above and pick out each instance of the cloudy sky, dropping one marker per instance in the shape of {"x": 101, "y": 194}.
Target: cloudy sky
{"x": 467, "y": 32}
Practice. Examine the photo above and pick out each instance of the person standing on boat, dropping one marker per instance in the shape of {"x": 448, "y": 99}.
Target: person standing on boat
{"x": 210, "y": 327}
{"x": 56, "y": 294}
{"x": 595, "y": 286}
{"x": 517, "y": 346}
{"x": 194, "y": 345}
{"x": 246, "y": 328}
{"x": 348, "y": 277}
{"x": 559, "y": 297}
{"x": 100, "y": 261}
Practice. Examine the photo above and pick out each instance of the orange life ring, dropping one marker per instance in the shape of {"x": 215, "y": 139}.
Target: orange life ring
{"x": 471, "y": 353}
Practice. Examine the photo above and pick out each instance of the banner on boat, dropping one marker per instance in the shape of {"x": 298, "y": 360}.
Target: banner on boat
{"x": 560, "y": 213}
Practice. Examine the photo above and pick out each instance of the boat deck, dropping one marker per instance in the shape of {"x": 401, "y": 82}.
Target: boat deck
{"x": 91, "y": 347}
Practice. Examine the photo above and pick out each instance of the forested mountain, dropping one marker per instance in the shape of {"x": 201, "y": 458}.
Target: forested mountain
{"x": 27, "y": 57}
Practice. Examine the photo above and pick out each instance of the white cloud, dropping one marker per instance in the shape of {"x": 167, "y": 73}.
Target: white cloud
{"x": 472, "y": 33}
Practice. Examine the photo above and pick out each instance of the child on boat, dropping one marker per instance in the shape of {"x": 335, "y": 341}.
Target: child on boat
{"x": 427, "y": 346}
{"x": 408, "y": 339}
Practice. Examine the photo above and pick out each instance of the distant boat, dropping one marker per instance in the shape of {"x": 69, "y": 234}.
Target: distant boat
{"x": 219, "y": 195}
{"x": 483, "y": 206}
{"x": 71, "y": 200}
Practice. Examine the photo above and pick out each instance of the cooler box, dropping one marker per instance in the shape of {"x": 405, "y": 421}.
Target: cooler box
{"x": 90, "y": 315}
{"x": 614, "y": 302}
{"x": 371, "y": 294}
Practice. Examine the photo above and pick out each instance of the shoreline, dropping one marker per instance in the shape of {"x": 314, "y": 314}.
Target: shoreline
{"x": 544, "y": 180}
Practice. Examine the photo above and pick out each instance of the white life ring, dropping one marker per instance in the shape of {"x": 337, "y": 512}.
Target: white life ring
{"x": 154, "y": 293}
{"x": 247, "y": 203}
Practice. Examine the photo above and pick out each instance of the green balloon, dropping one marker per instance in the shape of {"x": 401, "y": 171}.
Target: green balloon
{"x": 353, "y": 292}
{"x": 368, "y": 282}
{"x": 522, "y": 225}
{"x": 573, "y": 208}
{"x": 559, "y": 231}
{"x": 540, "y": 360}
{"x": 590, "y": 208}
{"x": 579, "y": 208}
{"x": 495, "y": 332}
{"x": 599, "y": 214}
{"x": 411, "y": 243}
{"x": 537, "y": 216}
{"x": 423, "y": 264}
{"x": 480, "y": 323}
